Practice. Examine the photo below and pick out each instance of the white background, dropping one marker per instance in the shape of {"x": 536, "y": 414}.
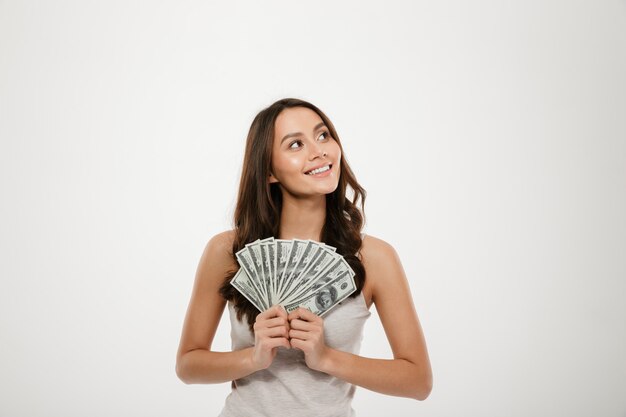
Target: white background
{"x": 490, "y": 136}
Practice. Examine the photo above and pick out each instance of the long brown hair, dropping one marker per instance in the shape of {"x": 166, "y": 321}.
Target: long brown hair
{"x": 259, "y": 203}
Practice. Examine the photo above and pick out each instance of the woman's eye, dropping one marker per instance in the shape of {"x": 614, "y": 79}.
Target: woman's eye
{"x": 326, "y": 135}
{"x": 293, "y": 143}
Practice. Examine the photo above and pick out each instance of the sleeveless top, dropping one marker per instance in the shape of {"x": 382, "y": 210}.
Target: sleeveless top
{"x": 288, "y": 386}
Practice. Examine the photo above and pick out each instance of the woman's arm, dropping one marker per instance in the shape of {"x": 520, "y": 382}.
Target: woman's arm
{"x": 409, "y": 373}
{"x": 196, "y": 363}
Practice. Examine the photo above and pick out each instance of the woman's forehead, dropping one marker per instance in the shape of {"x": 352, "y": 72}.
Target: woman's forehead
{"x": 296, "y": 120}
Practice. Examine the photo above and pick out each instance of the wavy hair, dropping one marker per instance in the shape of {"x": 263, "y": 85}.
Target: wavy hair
{"x": 259, "y": 203}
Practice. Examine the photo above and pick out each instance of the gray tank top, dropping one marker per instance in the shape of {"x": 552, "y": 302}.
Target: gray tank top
{"x": 288, "y": 387}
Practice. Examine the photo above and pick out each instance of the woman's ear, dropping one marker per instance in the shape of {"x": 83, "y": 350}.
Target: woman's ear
{"x": 272, "y": 179}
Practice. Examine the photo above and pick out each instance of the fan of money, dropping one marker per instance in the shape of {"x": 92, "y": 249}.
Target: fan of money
{"x": 293, "y": 273}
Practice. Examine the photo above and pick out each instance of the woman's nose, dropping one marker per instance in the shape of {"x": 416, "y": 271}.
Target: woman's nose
{"x": 317, "y": 151}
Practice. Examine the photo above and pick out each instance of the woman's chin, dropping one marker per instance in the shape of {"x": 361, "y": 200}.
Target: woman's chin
{"x": 308, "y": 190}
{"x": 328, "y": 190}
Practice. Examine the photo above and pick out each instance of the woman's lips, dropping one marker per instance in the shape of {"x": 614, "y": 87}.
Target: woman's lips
{"x": 321, "y": 174}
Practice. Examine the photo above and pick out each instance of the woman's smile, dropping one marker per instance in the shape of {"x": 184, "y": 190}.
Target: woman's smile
{"x": 320, "y": 172}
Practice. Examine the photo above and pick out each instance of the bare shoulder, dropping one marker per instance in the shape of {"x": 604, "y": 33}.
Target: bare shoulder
{"x": 217, "y": 258}
{"x": 223, "y": 240}
{"x": 375, "y": 250}
{"x": 382, "y": 265}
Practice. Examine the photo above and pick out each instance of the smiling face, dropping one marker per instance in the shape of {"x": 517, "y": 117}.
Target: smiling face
{"x": 305, "y": 158}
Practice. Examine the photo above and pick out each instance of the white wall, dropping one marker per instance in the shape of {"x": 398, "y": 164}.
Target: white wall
{"x": 490, "y": 136}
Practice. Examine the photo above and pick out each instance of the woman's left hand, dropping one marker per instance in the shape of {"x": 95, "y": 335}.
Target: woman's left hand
{"x": 307, "y": 334}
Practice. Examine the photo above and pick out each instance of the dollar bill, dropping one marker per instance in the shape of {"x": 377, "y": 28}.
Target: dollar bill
{"x": 292, "y": 273}
{"x": 270, "y": 264}
{"x": 283, "y": 250}
{"x": 254, "y": 250}
{"x": 247, "y": 263}
{"x": 323, "y": 259}
{"x": 326, "y": 297}
{"x": 295, "y": 282}
{"x": 329, "y": 273}
{"x": 297, "y": 248}
{"x": 241, "y": 281}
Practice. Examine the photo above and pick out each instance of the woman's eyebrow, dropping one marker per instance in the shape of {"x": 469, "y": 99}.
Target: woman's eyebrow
{"x": 289, "y": 135}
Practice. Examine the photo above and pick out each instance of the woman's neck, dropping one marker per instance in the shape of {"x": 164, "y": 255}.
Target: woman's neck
{"x": 302, "y": 218}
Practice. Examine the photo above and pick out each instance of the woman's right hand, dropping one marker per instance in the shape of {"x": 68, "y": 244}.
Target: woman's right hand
{"x": 271, "y": 330}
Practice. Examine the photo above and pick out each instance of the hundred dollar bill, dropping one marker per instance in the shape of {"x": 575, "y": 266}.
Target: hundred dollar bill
{"x": 280, "y": 271}
{"x": 297, "y": 249}
{"x": 241, "y": 281}
{"x": 326, "y": 297}
{"x": 325, "y": 268}
{"x": 270, "y": 263}
{"x": 265, "y": 271}
{"x": 308, "y": 255}
{"x": 283, "y": 249}
{"x": 247, "y": 263}
{"x": 322, "y": 259}
{"x": 267, "y": 280}
{"x": 332, "y": 248}
{"x": 254, "y": 251}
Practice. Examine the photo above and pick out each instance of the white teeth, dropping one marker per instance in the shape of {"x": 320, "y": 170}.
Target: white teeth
{"x": 318, "y": 170}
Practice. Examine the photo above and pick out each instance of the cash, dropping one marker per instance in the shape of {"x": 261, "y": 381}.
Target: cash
{"x": 293, "y": 273}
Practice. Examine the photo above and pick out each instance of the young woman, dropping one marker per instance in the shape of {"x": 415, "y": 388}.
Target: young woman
{"x": 294, "y": 184}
